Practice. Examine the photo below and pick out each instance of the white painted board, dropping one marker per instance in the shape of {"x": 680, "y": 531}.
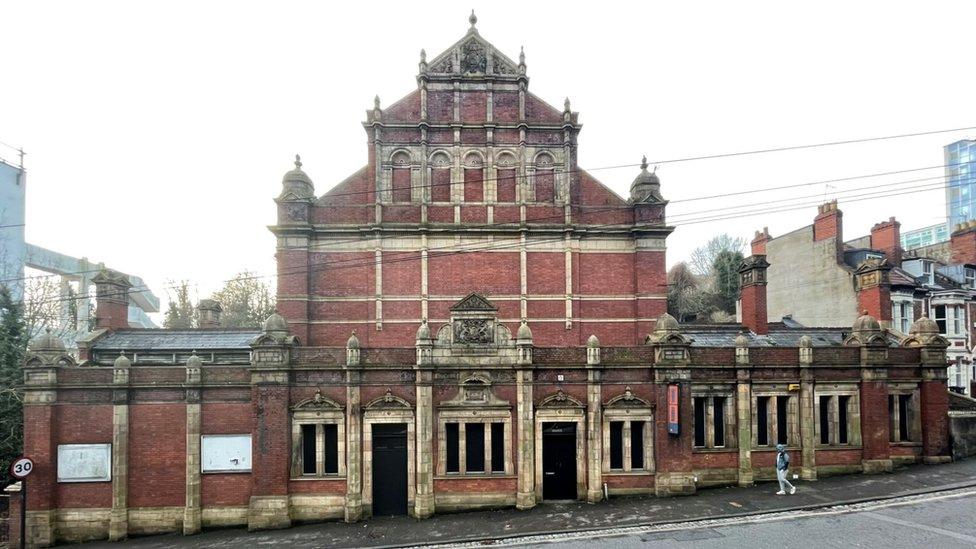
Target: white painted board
{"x": 84, "y": 462}
{"x": 223, "y": 453}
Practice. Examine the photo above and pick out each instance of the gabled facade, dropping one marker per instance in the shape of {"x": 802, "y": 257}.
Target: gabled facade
{"x": 503, "y": 344}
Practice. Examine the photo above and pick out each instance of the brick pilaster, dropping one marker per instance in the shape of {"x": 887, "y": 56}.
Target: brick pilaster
{"x": 875, "y": 427}
{"x": 934, "y": 394}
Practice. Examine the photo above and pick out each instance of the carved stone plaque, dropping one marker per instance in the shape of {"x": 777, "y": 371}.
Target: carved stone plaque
{"x": 473, "y": 331}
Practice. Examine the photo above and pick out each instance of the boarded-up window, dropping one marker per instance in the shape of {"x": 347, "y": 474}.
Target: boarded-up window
{"x": 498, "y": 447}
{"x": 616, "y": 445}
{"x": 221, "y": 453}
{"x": 474, "y": 447}
{"x": 84, "y": 462}
{"x": 453, "y": 451}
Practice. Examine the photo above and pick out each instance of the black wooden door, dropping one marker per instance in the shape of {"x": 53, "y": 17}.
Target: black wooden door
{"x": 389, "y": 469}
{"x": 559, "y": 460}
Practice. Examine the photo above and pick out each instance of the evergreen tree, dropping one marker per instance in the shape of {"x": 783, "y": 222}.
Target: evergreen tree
{"x": 725, "y": 279}
{"x": 13, "y": 345}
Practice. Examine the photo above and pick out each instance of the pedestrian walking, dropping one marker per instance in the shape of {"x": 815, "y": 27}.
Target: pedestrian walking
{"x": 782, "y": 469}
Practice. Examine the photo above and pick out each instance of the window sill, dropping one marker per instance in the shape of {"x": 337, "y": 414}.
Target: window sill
{"x": 227, "y": 472}
{"x": 450, "y": 476}
{"x": 719, "y": 450}
{"x": 773, "y": 449}
{"x": 839, "y": 447}
{"x": 631, "y": 473}
{"x": 313, "y": 477}
{"x": 906, "y": 443}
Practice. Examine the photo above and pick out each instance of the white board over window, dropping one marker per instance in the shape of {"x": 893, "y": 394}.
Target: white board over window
{"x": 225, "y": 453}
{"x": 84, "y": 462}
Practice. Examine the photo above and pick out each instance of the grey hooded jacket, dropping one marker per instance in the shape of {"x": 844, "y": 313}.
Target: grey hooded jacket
{"x": 782, "y": 458}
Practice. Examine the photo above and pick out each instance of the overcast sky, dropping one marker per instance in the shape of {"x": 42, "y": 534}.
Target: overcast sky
{"x": 157, "y": 132}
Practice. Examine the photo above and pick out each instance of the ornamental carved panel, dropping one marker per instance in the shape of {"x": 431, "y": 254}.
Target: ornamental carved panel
{"x": 477, "y": 331}
{"x": 474, "y": 59}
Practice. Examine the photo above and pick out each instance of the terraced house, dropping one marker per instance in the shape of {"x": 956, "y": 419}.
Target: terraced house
{"x": 470, "y": 320}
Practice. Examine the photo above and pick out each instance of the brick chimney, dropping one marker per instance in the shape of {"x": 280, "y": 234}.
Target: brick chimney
{"x": 886, "y": 237}
{"x": 828, "y": 223}
{"x": 962, "y": 243}
{"x": 874, "y": 289}
{"x": 112, "y": 300}
{"x": 208, "y": 313}
{"x": 752, "y": 293}
{"x": 759, "y": 242}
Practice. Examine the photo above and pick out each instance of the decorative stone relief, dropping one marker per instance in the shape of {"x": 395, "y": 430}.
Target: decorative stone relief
{"x": 473, "y": 331}
{"x": 474, "y": 59}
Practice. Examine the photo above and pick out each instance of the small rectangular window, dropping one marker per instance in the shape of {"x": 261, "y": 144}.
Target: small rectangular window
{"x": 782, "y": 420}
{"x": 453, "y": 453}
{"x": 699, "y": 405}
{"x": 474, "y": 447}
{"x": 616, "y": 445}
{"x": 331, "y": 431}
{"x": 762, "y": 421}
{"x": 904, "y": 405}
{"x": 718, "y": 413}
{"x": 824, "y": 420}
{"x": 842, "y": 403}
{"x": 498, "y": 447}
{"x": 308, "y": 450}
{"x": 636, "y": 444}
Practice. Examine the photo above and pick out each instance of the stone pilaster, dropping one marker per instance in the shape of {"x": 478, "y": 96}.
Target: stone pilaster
{"x": 808, "y": 436}
{"x": 594, "y": 435}
{"x": 672, "y": 358}
{"x": 192, "y": 513}
{"x": 525, "y": 497}
{"x": 118, "y": 527}
{"x": 354, "y": 447}
{"x": 743, "y": 411}
{"x": 424, "y": 501}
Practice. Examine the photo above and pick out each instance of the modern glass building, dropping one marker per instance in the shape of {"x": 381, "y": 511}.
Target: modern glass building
{"x": 926, "y": 236}
{"x": 960, "y": 170}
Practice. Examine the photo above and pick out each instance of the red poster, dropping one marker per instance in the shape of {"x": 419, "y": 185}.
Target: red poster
{"x": 673, "y": 425}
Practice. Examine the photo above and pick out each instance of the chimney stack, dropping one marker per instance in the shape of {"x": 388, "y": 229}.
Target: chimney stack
{"x": 962, "y": 243}
{"x": 752, "y": 293}
{"x": 828, "y": 223}
{"x": 208, "y": 313}
{"x": 886, "y": 237}
{"x": 759, "y": 242}
{"x": 112, "y": 295}
{"x": 874, "y": 289}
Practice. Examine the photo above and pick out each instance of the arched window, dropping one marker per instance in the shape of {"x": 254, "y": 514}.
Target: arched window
{"x": 474, "y": 180}
{"x": 440, "y": 177}
{"x": 401, "y": 177}
{"x": 505, "y": 179}
{"x": 545, "y": 178}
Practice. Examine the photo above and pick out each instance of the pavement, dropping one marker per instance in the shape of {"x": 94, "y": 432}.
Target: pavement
{"x": 559, "y": 517}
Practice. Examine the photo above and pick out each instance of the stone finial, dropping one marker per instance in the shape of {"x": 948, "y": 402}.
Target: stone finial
{"x": 423, "y": 55}
{"x": 352, "y": 350}
{"x": 806, "y": 350}
{"x": 524, "y": 332}
{"x": 522, "y": 55}
{"x": 193, "y": 367}
{"x": 122, "y": 361}
{"x": 592, "y": 350}
{"x": 566, "y": 107}
{"x": 353, "y": 341}
{"x": 646, "y": 188}
{"x": 376, "y": 103}
{"x": 473, "y": 19}
{"x": 276, "y": 326}
{"x": 46, "y": 342}
{"x": 741, "y": 349}
{"x": 194, "y": 360}
{"x": 741, "y": 341}
{"x": 298, "y": 161}
{"x": 805, "y": 341}
{"x": 296, "y": 184}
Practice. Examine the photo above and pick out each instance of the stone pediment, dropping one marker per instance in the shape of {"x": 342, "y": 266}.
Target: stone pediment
{"x": 318, "y": 403}
{"x": 473, "y": 56}
{"x": 475, "y": 392}
{"x": 474, "y": 303}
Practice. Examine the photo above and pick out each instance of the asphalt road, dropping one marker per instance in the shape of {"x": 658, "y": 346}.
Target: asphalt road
{"x": 942, "y": 521}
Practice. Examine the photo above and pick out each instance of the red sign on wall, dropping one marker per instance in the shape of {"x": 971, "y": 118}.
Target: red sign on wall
{"x": 673, "y": 425}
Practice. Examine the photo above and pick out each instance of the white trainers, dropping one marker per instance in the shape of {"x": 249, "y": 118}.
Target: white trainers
{"x": 781, "y": 493}
{"x": 792, "y": 490}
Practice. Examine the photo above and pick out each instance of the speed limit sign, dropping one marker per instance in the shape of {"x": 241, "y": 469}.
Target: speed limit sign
{"x": 21, "y": 467}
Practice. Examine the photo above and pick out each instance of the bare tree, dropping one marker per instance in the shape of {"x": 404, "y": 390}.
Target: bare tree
{"x": 703, "y": 257}
{"x": 246, "y": 301}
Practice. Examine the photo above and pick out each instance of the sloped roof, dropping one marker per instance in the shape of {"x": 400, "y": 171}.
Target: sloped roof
{"x": 166, "y": 340}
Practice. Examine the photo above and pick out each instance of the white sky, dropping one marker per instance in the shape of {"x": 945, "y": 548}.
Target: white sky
{"x": 157, "y": 132}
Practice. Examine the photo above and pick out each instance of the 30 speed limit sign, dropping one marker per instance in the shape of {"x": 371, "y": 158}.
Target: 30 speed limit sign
{"x": 21, "y": 467}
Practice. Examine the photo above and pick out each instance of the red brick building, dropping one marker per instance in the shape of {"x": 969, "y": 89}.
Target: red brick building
{"x": 468, "y": 321}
